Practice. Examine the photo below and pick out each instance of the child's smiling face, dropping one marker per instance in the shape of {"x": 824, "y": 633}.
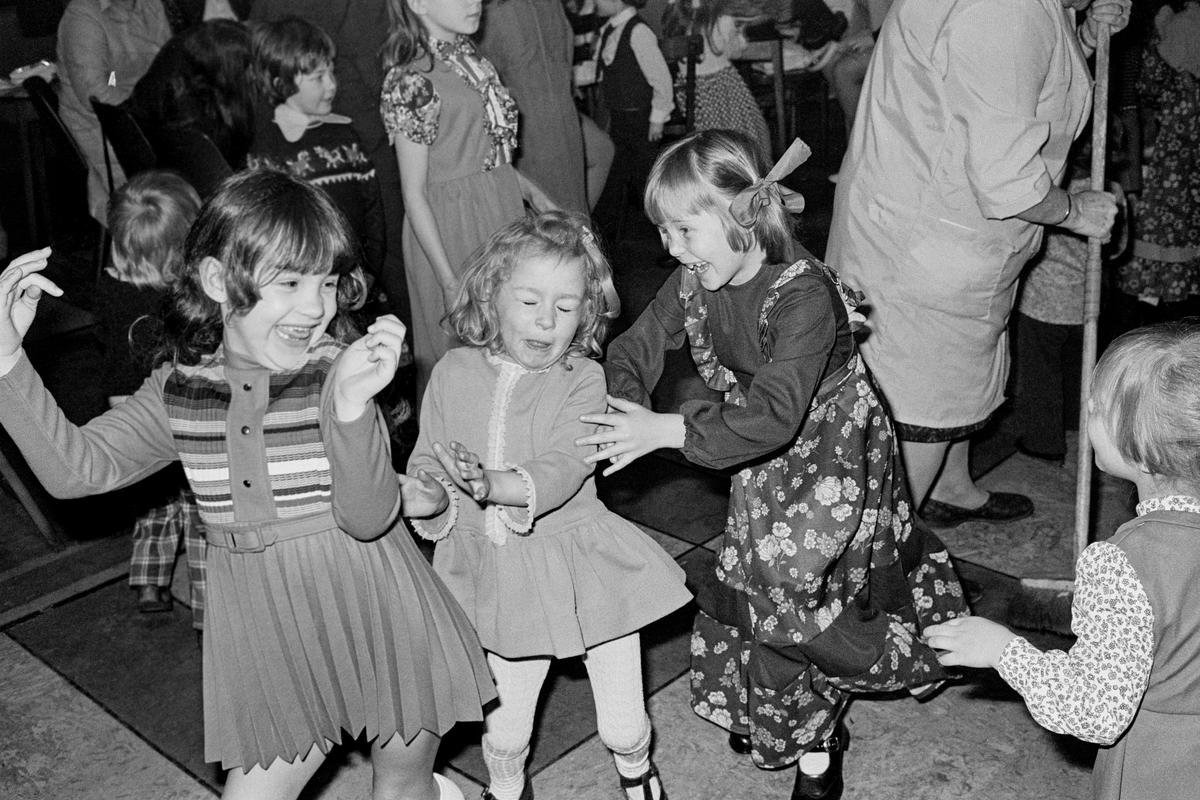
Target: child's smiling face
{"x": 315, "y": 91}
{"x": 291, "y": 314}
{"x": 697, "y": 240}
{"x": 539, "y": 309}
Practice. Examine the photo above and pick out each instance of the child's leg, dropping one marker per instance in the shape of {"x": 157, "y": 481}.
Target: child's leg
{"x": 279, "y": 781}
{"x": 615, "y": 670}
{"x": 508, "y": 726}
{"x": 405, "y": 771}
{"x": 155, "y": 543}
{"x": 196, "y": 549}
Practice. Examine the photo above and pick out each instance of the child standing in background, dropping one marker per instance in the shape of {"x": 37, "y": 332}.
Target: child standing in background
{"x": 297, "y": 131}
{"x": 454, "y": 127}
{"x": 148, "y": 219}
{"x": 322, "y": 617}
{"x": 540, "y": 566}
{"x": 722, "y": 98}
{"x": 635, "y": 101}
{"x": 1130, "y": 680}
{"x": 825, "y": 578}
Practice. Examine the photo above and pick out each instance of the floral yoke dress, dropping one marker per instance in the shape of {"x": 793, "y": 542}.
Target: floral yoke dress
{"x": 826, "y": 578}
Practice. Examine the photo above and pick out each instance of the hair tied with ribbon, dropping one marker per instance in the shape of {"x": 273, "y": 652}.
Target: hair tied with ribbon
{"x": 750, "y": 202}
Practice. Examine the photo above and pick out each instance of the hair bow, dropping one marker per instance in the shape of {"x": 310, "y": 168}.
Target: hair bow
{"x": 750, "y": 201}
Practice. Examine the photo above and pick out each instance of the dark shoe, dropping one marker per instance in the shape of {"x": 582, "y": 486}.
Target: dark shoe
{"x": 526, "y": 793}
{"x": 828, "y": 785}
{"x": 154, "y": 599}
{"x": 1057, "y": 458}
{"x": 1000, "y": 507}
{"x": 644, "y": 782}
{"x": 740, "y": 743}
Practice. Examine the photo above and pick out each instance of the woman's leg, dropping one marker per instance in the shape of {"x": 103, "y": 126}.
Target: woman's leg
{"x": 405, "y": 771}
{"x": 598, "y": 153}
{"x": 279, "y": 781}
{"x": 508, "y": 726}
{"x": 922, "y": 461}
{"x": 954, "y": 485}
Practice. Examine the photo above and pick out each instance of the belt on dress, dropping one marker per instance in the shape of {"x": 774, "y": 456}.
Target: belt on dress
{"x": 258, "y": 536}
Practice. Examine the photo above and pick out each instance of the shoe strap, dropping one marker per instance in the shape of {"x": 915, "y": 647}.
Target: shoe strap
{"x": 643, "y": 781}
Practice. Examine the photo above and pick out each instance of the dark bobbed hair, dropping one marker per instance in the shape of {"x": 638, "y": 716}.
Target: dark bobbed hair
{"x": 704, "y": 172}
{"x": 552, "y": 234}
{"x": 148, "y": 219}
{"x": 1146, "y": 389}
{"x": 285, "y": 49}
{"x": 407, "y": 38}
{"x": 258, "y": 223}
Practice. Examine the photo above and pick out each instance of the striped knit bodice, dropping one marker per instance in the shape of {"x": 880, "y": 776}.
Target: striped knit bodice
{"x": 199, "y": 400}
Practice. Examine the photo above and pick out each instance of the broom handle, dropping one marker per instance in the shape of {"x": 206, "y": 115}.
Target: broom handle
{"x": 1091, "y": 295}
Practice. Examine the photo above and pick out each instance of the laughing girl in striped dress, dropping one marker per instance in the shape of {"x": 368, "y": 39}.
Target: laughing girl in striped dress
{"x": 323, "y": 617}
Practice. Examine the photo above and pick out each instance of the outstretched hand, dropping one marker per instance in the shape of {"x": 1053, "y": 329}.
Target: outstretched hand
{"x": 21, "y": 287}
{"x": 465, "y": 469}
{"x": 421, "y": 495}
{"x": 630, "y": 431}
{"x": 969, "y": 641}
{"x": 366, "y": 367}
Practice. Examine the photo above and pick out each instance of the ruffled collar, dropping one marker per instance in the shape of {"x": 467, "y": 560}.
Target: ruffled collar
{"x": 502, "y": 360}
{"x": 293, "y": 123}
{"x": 1173, "y": 502}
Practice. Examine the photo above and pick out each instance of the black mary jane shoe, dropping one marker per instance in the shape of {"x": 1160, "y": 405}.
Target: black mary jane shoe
{"x": 740, "y": 743}
{"x": 828, "y": 785}
{"x": 154, "y": 599}
{"x": 526, "y": 793}
{"x": 644, "y": 781}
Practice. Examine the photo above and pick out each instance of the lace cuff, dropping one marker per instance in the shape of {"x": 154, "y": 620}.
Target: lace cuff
{"x": 516, "y": 519}
{"x": 427, "y": 529}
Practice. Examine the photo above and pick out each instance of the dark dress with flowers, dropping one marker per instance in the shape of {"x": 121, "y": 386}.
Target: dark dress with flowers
{"x": 825, "y": 578}
{"x": 460, "y": 109}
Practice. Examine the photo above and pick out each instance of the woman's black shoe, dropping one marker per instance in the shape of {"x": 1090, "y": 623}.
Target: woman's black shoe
{"x": 828, "y": 785}
{"x": 740, "y": 743}
{"x": 644, "y": 782}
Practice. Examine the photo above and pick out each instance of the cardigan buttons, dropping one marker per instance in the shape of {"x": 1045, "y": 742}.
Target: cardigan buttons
{"x": 246, "y": 483}
{"x": 245, "y": 430}
{"x": 246, "y": 387}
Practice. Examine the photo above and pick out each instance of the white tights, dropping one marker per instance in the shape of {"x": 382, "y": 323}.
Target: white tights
{"x": 615, "y": 671}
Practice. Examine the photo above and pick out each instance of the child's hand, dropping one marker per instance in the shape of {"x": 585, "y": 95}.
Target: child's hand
{"x": 630, "y": 432}
{"x": 421, "y": 495}
{"x": 969, "y": 641}
{"x": 21, "y": 288}
{"x": 465, "y": 469}
{"x": 366, "y": 367}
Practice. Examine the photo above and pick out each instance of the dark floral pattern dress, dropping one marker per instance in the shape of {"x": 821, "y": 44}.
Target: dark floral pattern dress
{"x": 826, "y": 578}
{"x": 1166, "y": 250}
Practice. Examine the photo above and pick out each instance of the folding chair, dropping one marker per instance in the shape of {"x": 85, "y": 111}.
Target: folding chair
{"x": 193, "y": 155}
{"x": 124, "y": 135}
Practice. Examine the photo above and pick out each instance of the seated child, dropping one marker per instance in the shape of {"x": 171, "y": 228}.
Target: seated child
{"x": 148, "y": 219}
{"x": 297, "y": 133}
{"x": 1129, "y": 680}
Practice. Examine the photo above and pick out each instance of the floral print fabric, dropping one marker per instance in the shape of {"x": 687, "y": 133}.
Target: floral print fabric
{"x": 812, "y": 533}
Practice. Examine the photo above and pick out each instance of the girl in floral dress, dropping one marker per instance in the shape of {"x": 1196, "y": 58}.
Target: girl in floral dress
{"x": 825, "y": 578}
{"x": 454, "y": 127}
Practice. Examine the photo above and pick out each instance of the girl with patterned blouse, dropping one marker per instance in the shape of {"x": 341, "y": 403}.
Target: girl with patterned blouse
{"x": 825, "y": 578}
{"x": 540, "y": 566}
{"x": 454, "y": 127}
{"x": 1131, "y": 681}
{"x": 323, "y": 618}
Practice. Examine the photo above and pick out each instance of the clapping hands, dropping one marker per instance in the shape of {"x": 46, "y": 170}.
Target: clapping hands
{"x": 21, "y": 287}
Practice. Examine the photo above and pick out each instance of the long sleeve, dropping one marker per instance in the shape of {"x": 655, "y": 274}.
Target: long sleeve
{"x": 998, "y": 56}
{"x": 654, "y": 68}
{"x": 633, "y": 361}
{"x": 120, "y": 447}
{"x": 366, "y": 495}
{"x": 1093, "y": 690}
{"x": 802, "y": 337}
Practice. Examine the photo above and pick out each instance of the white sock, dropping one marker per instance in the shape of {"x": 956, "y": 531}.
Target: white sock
{"x": 447, "y": 789}
{"x": 814, "y": 763}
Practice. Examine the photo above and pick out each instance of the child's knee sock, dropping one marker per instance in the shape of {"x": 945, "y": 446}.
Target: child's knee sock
{"x": 633, "y": 762}
{"x": 506, "y": 771}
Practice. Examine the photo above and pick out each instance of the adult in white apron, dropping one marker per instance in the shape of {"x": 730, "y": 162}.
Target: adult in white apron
{"x": 962, "y": 134}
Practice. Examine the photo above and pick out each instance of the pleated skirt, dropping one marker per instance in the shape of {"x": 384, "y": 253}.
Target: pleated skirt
{"x": 325, "y": 634}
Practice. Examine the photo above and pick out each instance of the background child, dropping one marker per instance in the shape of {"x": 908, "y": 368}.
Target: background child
{"x": 635, "y": 102}
{"x": 825, "y": 577}
{"x": 538, "y": 563}
{"x": 318, "y": 620}
{"x": 148, "y": 219}
{"x": 1129, "y": 681}
{"x": 454, "y": 127}
{"x": 298, "y": 132}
